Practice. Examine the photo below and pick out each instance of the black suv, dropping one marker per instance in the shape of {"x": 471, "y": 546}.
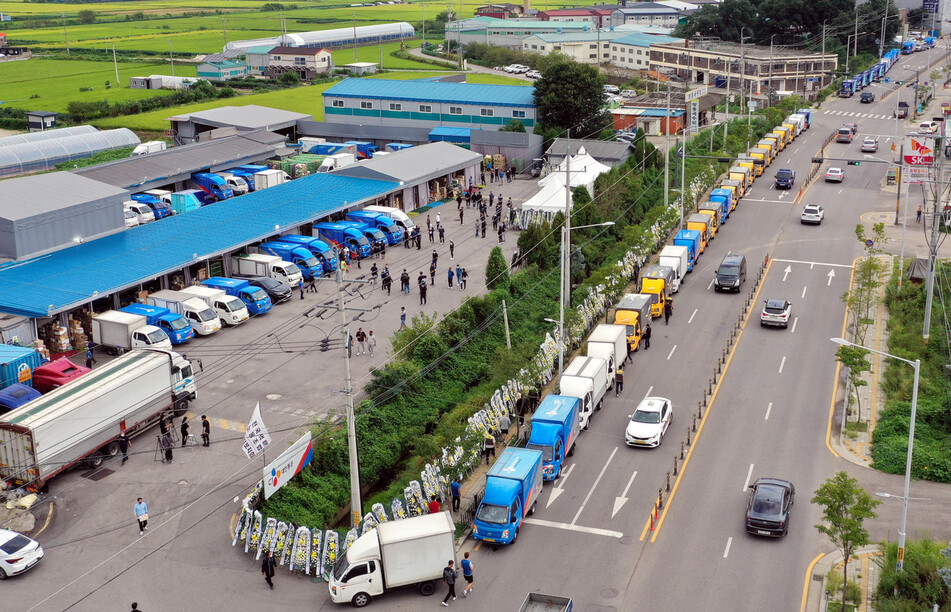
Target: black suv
{"x": 275, "y": 289}
{"x": 767, "y": 512}
{"x": 867, "y": 97}
{"x": 731, "y": 274}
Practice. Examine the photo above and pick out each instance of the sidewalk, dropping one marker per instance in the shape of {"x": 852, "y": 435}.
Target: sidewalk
{"x": 863, "y": 569}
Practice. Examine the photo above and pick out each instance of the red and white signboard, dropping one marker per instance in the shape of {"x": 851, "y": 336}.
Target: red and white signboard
{"x": 911, "y": 174}
{"x": 919, "y": 151}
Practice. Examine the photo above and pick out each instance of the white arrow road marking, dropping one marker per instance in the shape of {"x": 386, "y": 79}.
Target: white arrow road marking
{"x": 831, "y": 275}
{"x": 768, "y": 408}
{"x": 786, "y": 272}
{"x": 620, "y": 501}
{"x": 726, "y": 552}
{"x": 749, "y": 474}
{"x": 782, "y": 194}
{"x": 557, "y": 490}
{"x": 594, "y": 486}
{"x": 782, "y": 364}
{"x": 690, "y": 320}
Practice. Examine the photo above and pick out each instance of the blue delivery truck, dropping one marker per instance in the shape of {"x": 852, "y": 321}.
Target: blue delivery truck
{"x": 159, "y": 208}
{"x": 555, "y": 428}
{"x": 691, "y": 240}
{"x": 807, "y": 113}
{"x": 213, "y": 185}
{"x": 512, "y": 487}
{"x": 309, "y": 265}
{"x": 724, "y": 196}
{"x": 365, "y": 150}
{"x": 344, "y": 235}
{"x": 16, "y": 395}
{"x": 177, "y": 327}
{"x": 317, "y": 247}
{"x": 375, "y": 236}
{"x": 392, "y": 231}
{"x": 254, "y": 298}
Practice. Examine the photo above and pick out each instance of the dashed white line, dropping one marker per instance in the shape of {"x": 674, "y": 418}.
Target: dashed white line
{"x": 840, "y": 192}
{"x": 782, "y": 364}
{"x": 794, "y": 321}
{"x": 690, "y": 320}
{"x": 710, "y": 285}
{"x": 726, "y": 552}
{"x": 749, "y": 474}
{"x": 803, "y": 293}
{"x": 649, "y": 389}
{"x": 671, "y": 353}
{"x": 768, "y": 408}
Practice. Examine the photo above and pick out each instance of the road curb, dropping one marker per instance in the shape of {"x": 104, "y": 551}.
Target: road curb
{"x": 814, "y": 594}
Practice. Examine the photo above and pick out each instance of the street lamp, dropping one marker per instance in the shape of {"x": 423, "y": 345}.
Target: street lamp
{"x": 911, "y": 441}
{"x": 566, "y": 280}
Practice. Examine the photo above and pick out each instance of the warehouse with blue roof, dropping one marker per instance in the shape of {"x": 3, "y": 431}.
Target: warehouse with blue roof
{"x": 429, "y": 103}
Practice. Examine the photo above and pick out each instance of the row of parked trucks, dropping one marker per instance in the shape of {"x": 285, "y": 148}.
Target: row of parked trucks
{"x": 876, "y": 73}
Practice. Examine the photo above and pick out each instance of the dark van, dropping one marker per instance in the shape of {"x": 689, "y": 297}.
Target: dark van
{"x": 731, "y": 274}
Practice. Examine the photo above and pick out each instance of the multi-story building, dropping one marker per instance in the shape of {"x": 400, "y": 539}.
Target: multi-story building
{"x": 645, "y": 13}
{"x": 429, "y": 104}
{"x": 504, "y": 10}
{"x": 750, "y": 68}
{"x": 632, "y": 51}
{"x": 579, "y": 46}
{"x": 506, "y": 32}
{"x": 597, "y": 16}
{"x": 222, "y": 71}
{"x": 307, "y": 62}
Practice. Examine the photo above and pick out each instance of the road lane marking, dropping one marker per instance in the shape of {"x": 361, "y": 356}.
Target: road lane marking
{"x": 782, "y": 364}
{"x": 594, "y": 485}
{"x": 671, "y": 353}
{"x": 805, "y": 586}
{"x": 803, "y": 296}
{"x": 831, "y": 275}
{"x": 840, "y": 192}
{"x": 710, "y": 285}
{"x": 818, "y": 263}
{"x": 578, "y": 528}
{"x": 749, "y": 474}
{"x": 620, "y": 501}
{"x": 559, "y": 488}
{"x": 649, "y": 389}
{"x": 716, "y": 390}
{"x": 726, "y": 552}
{"x": 838, "y": 371}
{"x": 786, "y": 272}
{"x": 690, "y": 320}
{"x": 768, "y": 409}
{"x": 794, "y": 321}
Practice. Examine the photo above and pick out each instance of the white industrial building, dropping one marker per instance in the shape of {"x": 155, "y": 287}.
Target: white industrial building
{"x": 332, "y": 39}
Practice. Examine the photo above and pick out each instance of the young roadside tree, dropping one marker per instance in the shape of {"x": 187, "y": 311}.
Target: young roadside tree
{"x": 845, "y": 506}
{"x": 855, "y": 360}
{"x": 869, "y": 275}
{"x": 496, "y": 270}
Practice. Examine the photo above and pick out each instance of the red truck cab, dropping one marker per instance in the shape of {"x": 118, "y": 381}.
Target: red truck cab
{"x": 57, "y": 373}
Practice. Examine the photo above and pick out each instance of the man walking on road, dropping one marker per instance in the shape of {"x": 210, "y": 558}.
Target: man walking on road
{"x": 467, "y": 567}
{"x": 449, "y": 575}
{"x": 455, "y": 488}
{"x": 141, "y": 510}
{"x": 459, "y": 276}
{"x": 452, "y": 250}
{"x": 90, "y": 359}
{"x": 668, "y": 309}
{"x": 402, "y": 318}
{"x": 124, "y": 445}
{"x": 432, "y": 273}
{"x": 618, "y": 382}
{"x": 464, "y": 277}
{"x": 267, "y": 568}
{"x": 451, "y": 273}
{"x": 205, "y": 431}
{"x": 647, "y": 337}
{"x": 361, "y": 341}
{"x": 184, "y": 429}
{"x": 422, "y": 293}
{"x": 371, "y": 342}
{"x": 442, "y": 234}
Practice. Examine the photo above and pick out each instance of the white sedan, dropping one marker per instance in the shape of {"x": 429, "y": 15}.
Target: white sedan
{"x": 812, "y": 213}
{"x": 18, "y": 553}
{"x": 835, "y": 175}
{"x": 649, "y": 422}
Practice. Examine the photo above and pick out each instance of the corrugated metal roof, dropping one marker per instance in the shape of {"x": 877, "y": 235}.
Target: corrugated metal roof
{"x": 68, "y": 278}
{"x": 28, "y": 196}
{"x": 248, "y": 117}
{"x": 142, "y": 169}
{"x": 639, "y": 39}
{"x": 647, "y": 112}
{"x": 598, "y": 149}
{"x": 415, "y": 164}
{"x": 556, "y": 37}
{"x": 429, "y": 91}
{"x": 258, "y": 50}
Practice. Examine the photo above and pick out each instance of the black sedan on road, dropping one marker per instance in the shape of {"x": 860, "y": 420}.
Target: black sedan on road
{"x": 275, "y": 289}
{"x": 767, "y": 512}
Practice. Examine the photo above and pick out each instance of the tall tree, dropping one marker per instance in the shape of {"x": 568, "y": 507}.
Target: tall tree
{"x": 845, "y": 506}
{"x": 496, "y": 270}
{"x": 570, "y": 96}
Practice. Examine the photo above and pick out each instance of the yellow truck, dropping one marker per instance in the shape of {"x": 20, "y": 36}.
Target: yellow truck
{"x": 785, "y": 134}
{"x": 734, "y": 186}
{"x": 633, "y": 311}
{"x": 761, "y": 156}
{"x": 756, "y": 166}
{"x": 712, "y": 210}
{"x": 742, "y": 176}
{"x": 779, "y": 142}
{"x": 657, "y": 281}
{"x": 792, "y": 130}
{"x": 701, "y": 224}
{"x": 770, "y": 146}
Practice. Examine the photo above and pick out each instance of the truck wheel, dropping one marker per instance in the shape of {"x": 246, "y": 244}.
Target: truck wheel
{"x": 427, "y": 588}
{"x": 181, "y": 407}
{"x": 531, "y": 511}
{"x": 514, "y": 537}
{"x": 571, "y": 451}
{"x": 111, "y": 449}
{"x": 600, "y": 403}
{"x": 360, "y": 600}
{"x": 95, "y": 460}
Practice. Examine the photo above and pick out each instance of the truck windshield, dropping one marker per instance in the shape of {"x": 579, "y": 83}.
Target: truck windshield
{"x": 490, "y": 513}
{"x": 257, "y": 294}
{"x": 206, "y": 315}
{"x": 728, "y": 271}
{"x": 179, "y": 324}
{"x": 291, "y": 269}
{"x": 362, "y": 241}
{"x": 156, "y": 336}
{"x": 312, "y": 262}
{"x": 546, "y": 451}
{"x": 341, "y": 566}
{"x": 630, "y": 330}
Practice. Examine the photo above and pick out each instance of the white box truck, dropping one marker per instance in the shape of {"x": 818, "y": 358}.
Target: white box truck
{"x": 163, "y": 194}
{"x": 203, "y": 319}
{"x": 78, "y": 424}
{"x": 676, "y": 257}
{"x": 411, "y": 551}
{"x": 238, "y": 185}
{"x": 115, "y": 329}
{"x": 258, "y": 264}
{"x": 336, "y": 161}
{"x": 587, "y": 379}
{"x": 152, "y": 146}
{"x": 609, "y": 342}
{"x": 230, "y": 310}
{"x": 398, "y": 216}
{"x": 268, "y": 178}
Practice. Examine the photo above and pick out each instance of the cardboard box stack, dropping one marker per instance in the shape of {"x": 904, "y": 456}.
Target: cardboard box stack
{"x": 41, "y": 349}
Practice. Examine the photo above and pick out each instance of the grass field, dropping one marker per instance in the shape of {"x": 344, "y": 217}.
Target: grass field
{"x": 57, "y": 82}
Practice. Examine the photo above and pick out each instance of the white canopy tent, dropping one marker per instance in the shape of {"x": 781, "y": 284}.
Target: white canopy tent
{"x": 584, "y": 170}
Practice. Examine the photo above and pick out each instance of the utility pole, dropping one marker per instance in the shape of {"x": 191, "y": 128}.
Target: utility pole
{"x": 936, "y": 215}
{"x": 855, "y": 50}
{"x": 822, "y": 77}
{"x": 881, "y": 41}
{"x": 171, "y": 60}
{"x": 356, "y": 502}
{"x": 115, "y": 63}
{"x": 66, "y": 33}
{"x": 742, "y": 67}
{"x": 224, "y": 29}
{"x": 667, "y": 150}
{"x": 769, "y": 90}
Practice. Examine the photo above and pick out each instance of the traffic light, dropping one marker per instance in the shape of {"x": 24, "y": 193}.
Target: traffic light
{"x": 817, "y": 160}
{"x": 724, "y": 160}
{"x": 854, "y": 163}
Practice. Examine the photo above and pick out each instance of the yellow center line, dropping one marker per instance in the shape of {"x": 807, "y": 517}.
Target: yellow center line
{"x": 49, "y": 517}
{"x": 703, "y": 420}
{"x": 838, "y": 368}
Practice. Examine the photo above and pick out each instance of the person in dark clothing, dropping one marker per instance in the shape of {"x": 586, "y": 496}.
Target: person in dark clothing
{"x": 451, "y": 274}
{"x": 449, "y": 575}
{"x": 387, "y": 284}
{"x": 483, "y": 227}
{"x": 668, "y": 309}
{"x": 90, "y": 359}
{"x": 461, "y": 216}
{"x": 124, "y": 445}
{"x": 432, "y": 273}
{"x": 647, "y": 337}
{"x": 435, "y": 258}
{"x": 267, "y": 568}
{"x": 458, "y": 200}
{"x": 184, "y": 429}
{"x": 455, "y": 488}
{"x": 205, "y": 431}
{"x": 501, "y": 235}
{"x": 477, "y": 229}
{"x": 442, "y": 234}
{"x": 465, "y": 277}
{"x": 374, "y": 271}
{"x": 452, "y": 250}
{"x": 167, "y": 447}
{"x": 422, "y": 293}
{"x": 432, "y": 234}
{"x": 618, "y": 382}
{"x": 404, "y": 280}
